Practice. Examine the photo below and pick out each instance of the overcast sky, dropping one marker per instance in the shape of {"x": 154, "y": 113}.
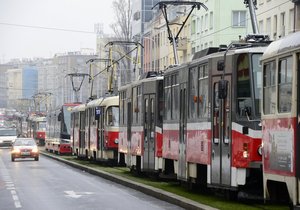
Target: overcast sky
{"x": 27, "y": 27}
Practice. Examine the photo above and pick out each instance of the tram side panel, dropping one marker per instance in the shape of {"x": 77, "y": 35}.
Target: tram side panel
{"x": 125, "y": 95}
{"x": 280, "y": 120}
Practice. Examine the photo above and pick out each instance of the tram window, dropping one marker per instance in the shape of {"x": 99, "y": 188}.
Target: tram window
{"x": 160, "y": 105}
{"x": 167, "y": 98}
{"x": 175, "y": 98}
{"x": 256, "y": 68}
{"x": 203, "y": 91}
{"x": 285, "y": 85}
{"x": 139, "y": 104}
{"x": 112, "y": 116}
{"x": 244, "y": 102}
{"x": 193, "y": 99}
{"x": 243, "y": 77}
{"x": 134, "y": 106}
{"x": 269, "y": 91}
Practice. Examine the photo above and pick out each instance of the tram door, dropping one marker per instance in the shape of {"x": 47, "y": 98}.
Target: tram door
{"x": 82, "y": 133}
{"x": 149, "y": 132}
{"x": 221, "y": 149}
{"x": 182, "y": 169}
{"x": 129, "y": 124}
{"x": 101, "y": 132}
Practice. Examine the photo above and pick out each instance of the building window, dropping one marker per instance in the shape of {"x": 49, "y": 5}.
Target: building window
{"x": 282, "y": 24}
{"x": 206, "y": 22}
{"x": 193, "y": 28}
{"x": 211, "y": 20}
{"x": 291, "y": 20}
{"x": 268, "y": 26}
{"x": 261, "y": 26}
{"x": 239, "y": 18}
{"x": 275, "y": 27}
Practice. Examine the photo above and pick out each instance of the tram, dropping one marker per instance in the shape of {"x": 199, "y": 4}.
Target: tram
{"x": 141, "y": 118}
{"x": 96, "y": 129}
{"x": 211, "y": 129}
{"x": 280, "y": 119}
{"x": 36, "y": 128}
{"x": 58, "y": 129}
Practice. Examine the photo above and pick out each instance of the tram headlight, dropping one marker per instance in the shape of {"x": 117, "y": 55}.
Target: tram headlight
{"x": 259, "y": 150}
{"x": 245, "y": 154}
{"x": 116, "y": 141}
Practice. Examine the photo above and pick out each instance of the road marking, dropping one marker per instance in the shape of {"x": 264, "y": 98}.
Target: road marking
{"x": 10, "y": 185}
{"x": 73, "y": 194}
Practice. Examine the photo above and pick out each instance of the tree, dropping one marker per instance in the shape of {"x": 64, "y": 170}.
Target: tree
{"x": 122, "y": 29}
{"x": 123, "y": 13}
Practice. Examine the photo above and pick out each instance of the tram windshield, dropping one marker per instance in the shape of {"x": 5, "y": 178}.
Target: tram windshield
{"x": 66, "y": 121}
{"x": 248, "y": 81}
{"x": 257, "y": 79}
{"x": 41, "y": 126}
{"x": 113, "y": 116}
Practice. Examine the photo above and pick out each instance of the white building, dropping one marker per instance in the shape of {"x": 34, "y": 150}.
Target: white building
{"x": 275, "y": 17}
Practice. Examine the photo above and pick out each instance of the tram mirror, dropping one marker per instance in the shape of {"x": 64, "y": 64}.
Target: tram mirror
{"x": 222, "y": 89}
{"x": 59, "y": 117}
{"x": 248, "y": 111}
{"x": 221, "y": 65}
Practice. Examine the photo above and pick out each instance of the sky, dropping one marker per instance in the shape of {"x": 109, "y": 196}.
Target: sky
{"x": 42, "y": 28}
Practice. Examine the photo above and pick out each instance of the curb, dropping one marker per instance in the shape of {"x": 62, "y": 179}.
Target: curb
{"x": 148, "y": 190}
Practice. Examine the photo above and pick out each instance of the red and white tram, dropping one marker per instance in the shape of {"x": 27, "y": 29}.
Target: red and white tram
{"x": 103, "y": 130}
{"x": 78, "y": 130}
{"x": 211, "y": 127}
{"x": 141, "y": 115}
{"x": 36, "y": 128}
{"x": 281, "y": 118}
{"x": 96, "y": 129}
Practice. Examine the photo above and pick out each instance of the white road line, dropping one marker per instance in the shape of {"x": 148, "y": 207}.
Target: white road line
{"x": 18, "y": 204}
{"x": 10, "y": 185}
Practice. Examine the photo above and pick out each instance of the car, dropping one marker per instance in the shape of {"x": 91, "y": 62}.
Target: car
{"x": 24, "y": 148}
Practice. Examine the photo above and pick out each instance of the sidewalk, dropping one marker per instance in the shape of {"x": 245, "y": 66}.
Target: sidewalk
{"x": 154, "y": 192}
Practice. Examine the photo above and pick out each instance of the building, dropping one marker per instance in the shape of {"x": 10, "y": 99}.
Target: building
{"x": 276, "y": 18}
{"x": 221, "y": 24}
{"x": 29, "y": 81}
{"x": 14, "y": 86}
{"x": 3, "y": 84}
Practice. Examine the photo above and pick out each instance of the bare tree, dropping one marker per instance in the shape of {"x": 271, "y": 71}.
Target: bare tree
{"x": 122, "y": 26}
{"x": 122, "y": 29}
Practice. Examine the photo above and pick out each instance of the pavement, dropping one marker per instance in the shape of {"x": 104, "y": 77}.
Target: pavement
{"x": 152, "y": 191}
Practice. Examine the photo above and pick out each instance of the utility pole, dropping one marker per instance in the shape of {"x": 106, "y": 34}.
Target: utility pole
{"x": 252, "y": 7}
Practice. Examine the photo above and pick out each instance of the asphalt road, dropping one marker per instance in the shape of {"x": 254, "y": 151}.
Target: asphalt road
{"x": 49, "y": 184}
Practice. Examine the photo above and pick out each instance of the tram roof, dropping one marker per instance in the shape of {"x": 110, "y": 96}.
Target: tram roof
{"x": 283, "y": 45}
{"x": 235, "y": 50}
{"x": 79, "y": 108}
{"x": 111, "y": 100}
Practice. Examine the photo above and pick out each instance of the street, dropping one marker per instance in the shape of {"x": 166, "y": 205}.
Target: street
{"x": 48, "y": 184}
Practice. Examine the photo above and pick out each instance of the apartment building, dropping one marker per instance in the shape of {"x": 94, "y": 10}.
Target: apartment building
{"x": 276, "y": 17}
